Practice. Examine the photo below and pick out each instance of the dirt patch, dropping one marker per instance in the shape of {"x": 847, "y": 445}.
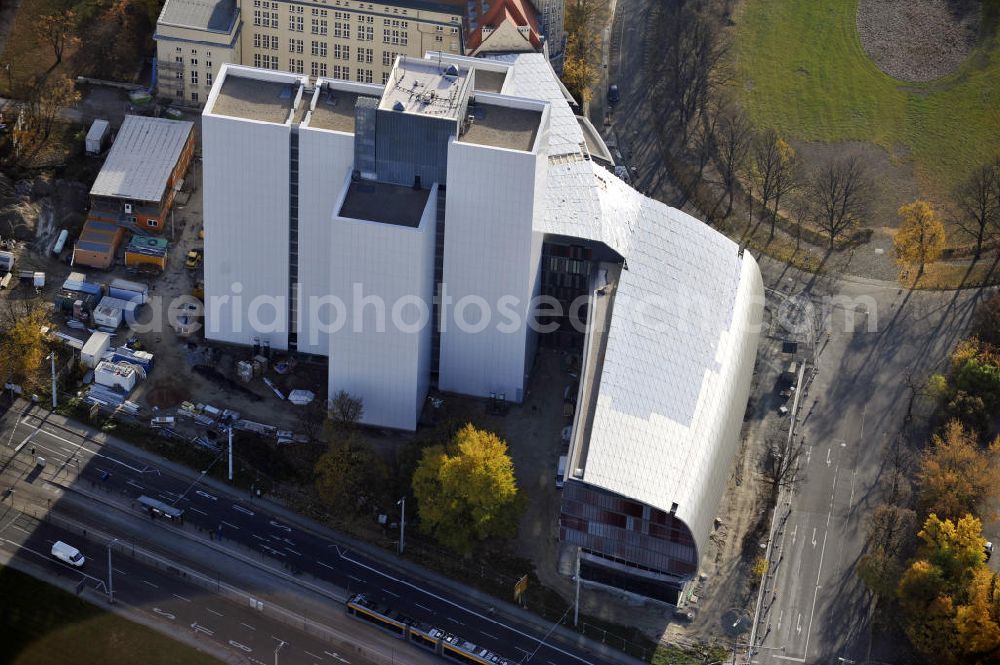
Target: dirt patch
{"x": 918, "y": 40}
{"x": 894, "y": 182}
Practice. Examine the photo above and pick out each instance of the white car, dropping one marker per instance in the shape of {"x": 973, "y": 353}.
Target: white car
{"x": 67, "y": 554}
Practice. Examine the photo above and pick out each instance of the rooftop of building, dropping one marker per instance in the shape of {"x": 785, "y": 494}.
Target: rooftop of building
{"x": 253, "y": 98}
{"x": 334, "y": 110}
{"x": 427, "y": 87}
{"x": 212, "y": 15}
{"x": 501, "y": 126}
{"x": 385, "y": 203}
{"x": 142, "y": 158}
{"x": 680, "y": 345}
{"x": 518, "y": 13}
{"x": 489, "y": 81}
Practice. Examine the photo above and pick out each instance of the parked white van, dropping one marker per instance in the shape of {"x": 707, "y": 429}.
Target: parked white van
{"x": 67, "y": 553}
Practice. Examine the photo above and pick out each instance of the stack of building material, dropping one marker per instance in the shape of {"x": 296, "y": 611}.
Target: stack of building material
{"x": 244, "y": 370}
{"x": 95, "y": 348}
{"x": 300, "y": 397}
{"x": 103, "y": 396}
{"x": 124, "y": 289}
{"x": 77, "y": 282}
{"x": 143, "y": 359}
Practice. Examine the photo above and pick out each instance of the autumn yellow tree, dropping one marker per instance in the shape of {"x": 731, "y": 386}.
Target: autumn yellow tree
{"x": 920, "y": 238}
{"x": 955, "y": 476}
{"x": 948, "y": 595}
{"x": 23, "y": 347}
{"x": 466, "y": 491}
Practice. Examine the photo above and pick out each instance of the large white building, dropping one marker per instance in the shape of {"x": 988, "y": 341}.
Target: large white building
{"x": 403, "y": 231}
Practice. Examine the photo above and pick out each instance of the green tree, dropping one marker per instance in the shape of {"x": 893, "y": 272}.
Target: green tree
{"x": 920, "y": 238}
{"x": 986, "y": 322}
{"x": 955, "y": 476}
{"x": 349, "y": 475}
{"x": 57, "y": 31}
{"x": 466, "y": 491}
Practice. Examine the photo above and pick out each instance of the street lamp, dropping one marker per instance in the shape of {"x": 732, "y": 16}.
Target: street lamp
{"x": 52, "y": 357}
{"x": 402, "y": 525}
{"x": 281, "y": 643}
{"x": 111, "y": 589}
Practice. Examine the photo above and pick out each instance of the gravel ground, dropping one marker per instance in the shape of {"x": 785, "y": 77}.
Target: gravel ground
{"x": 918, "y": 40}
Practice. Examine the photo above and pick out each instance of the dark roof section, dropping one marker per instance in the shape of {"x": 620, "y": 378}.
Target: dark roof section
{"x": 214, "y": 15}
{"x": 385, "y": 203}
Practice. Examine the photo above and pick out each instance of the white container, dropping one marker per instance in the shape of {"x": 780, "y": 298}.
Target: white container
{"x": 110, "y": 311}
{"x": 60, "y": 242}
{"x": 95, "y": 348}
{"x": 38, "y": 279}
{"x": 6, "y": 261}
{"x": 97, "y": 136}
{"x": 116, "y": 376}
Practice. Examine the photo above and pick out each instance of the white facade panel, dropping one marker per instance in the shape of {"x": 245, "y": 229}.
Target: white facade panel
{"x": 381, "y": 272}
{"x": 246, "y": 172}
{"x": 325, "y": 160}
{"x": 489, "y": 247}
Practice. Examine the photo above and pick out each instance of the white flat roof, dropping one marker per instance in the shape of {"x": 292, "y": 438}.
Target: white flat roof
{"x": 426, "y": 87}
{"x": 144, "y": 154}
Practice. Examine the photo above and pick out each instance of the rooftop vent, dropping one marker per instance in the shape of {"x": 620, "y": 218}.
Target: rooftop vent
{"x": 452, "y": 70}
{"x": 398, "y": 106}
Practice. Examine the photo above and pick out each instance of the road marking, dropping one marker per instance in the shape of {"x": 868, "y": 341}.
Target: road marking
{"x": 150, "y": 584}
{"x": 326, "y": 565}
{"x": 492, "y": 637}
{"x": 258, "y": 537}
{"x": 798, "y": 623}
{"x": 234, "y": 643}
{"x": 205, "y": 495}
{"x": 195, "y": 510}
{"x": 794, "y": 532}
{"x": 290, "y": 543}
{"x": 312, "y": 655}
{"x": 293, "y": 551}
{"x": 850, "y": 501}
{"x": 232, "y": 526}
{"x": 828, "y": 456}
{"x": 423, "y": 607}
{"x": 209, "y": 609}
{"x": 186, "y": 600}
{"x": 792, "y": 658}
{"x": 356, "y": 579}
{"x": 454, "y": 620}
{"x": 814, "y": 537}
{"x": 812, "y": 612}
{"x": 524, "y": 651}
{"x": 391, "y": 593}
{"x": 19, "y": 528}
{"x": 781, "y": 615}
{"x": 239, "y": 508}
{"x": 198, "y": 628}
{"x": 119, "y": 572}
{"x": 164, "y": 614}
{"x": 279, "y": 525}
{"x": 135, "y": 484}
{"x": 246, "y": 625}
{"x": 343, "y": 660}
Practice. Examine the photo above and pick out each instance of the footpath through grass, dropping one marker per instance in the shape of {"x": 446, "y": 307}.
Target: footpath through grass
{"x": 42, "y": 624}
{"x": 801, "y": 69}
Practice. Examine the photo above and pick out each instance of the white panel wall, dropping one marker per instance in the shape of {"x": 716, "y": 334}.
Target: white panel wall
{"x": 325, "y": 160}
{"x": 246, "y": 229}
{"x": 388, "y": 367}
{"x": 490, "y": 254}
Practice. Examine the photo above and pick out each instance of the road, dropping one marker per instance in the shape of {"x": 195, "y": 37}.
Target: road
{"x": 871, "y": 336}
{"x": 166, "y": 598}
{"x": 239, "y": 526}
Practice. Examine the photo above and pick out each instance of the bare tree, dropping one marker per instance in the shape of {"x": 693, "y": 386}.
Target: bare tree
{"x": 733, "y": 138}
{"x": 57, "y": 30}
{"x": 346, "y": 409}
{"x": 978, "y": 200}
{"x": 765, "y": 162}
{"x": 841, "y": 190}
{"x": 786, "y": 176}
{"x": 781, "y": 460}
{"x": 704, "y": 138}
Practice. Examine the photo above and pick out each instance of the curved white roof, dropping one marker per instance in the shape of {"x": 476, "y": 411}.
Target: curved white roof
{"x": 683, "y": 336}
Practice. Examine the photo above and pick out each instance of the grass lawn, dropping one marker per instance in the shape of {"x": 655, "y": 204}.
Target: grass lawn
{"x": 42, "y": 625}
{"x": 800, "y": 68}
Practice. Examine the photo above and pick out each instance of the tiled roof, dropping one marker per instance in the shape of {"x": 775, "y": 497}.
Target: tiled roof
{"x": 681, "y": 346}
